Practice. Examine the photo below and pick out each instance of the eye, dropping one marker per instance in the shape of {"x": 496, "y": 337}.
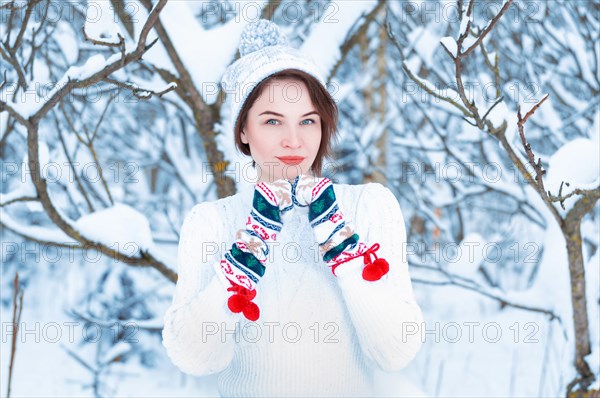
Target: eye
{"x": 270, "y": 120}
{"x": 308, "y": 120}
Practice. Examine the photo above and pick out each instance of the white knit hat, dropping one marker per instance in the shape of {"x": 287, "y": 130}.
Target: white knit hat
{"x": 264, "y": 50}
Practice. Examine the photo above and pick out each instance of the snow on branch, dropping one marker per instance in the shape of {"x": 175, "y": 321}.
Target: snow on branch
{"x": 29, "y": 114}
{"x": 103, "y": 30}
{"x": 423, "y": 83}
{"x": 94, "y": 70}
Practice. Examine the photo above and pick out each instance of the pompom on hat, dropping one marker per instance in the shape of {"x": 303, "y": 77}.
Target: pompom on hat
{"x": 264, "y": 50}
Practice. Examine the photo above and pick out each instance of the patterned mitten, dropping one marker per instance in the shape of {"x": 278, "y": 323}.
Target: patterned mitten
{"x": 244, "y": 264}
{"x": 337, "y": 239}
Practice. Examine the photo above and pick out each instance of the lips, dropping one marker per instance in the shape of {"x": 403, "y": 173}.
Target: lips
{"x": 291, "y": 160}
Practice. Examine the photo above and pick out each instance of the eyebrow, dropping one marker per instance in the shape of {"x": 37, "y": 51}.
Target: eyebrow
{"x": 280, "y": 115}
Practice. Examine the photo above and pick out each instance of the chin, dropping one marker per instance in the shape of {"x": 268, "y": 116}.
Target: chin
{"x": 291, "y": 176}
{"x": 290, "y": 172}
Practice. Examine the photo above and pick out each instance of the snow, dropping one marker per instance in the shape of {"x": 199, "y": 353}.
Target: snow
{"x": 120, "y": 227}
{"x": 468, "y": 257}
{"x": 500, "y": 114}
{"x": 594, "y": 131}
{"x": 511, "y": 366}
{"x": 577, "y": 163}
{"x": 66, "y": 39}
{"x": 516, "y": 338}
{"x": 547, "y": 116}
{"x": 343, "y": 90}
{"x": 100, "y": 22}
{"x": 194, "y": 173}
{"x": 23, "y": 191}
{"x": 450, "y": 44}
{"x": 397, "y": 385}
{"x": 100, "y": 25}
{"x": 115, "y": 351}
{"x": 424, "y": 42}
{"x": 440, "y": 90}
{"x": 464, "y": 22}
{"x": 584, "y": 62}
{"x": 204, "y": 60}
{"x": 468, "y": 43}
{"x": 93, "y": 64}
{"x": 567, "y": 66}
{"x": 40, "y": 233}
{"x": 325, "y": 38}
{"x": 26, "y": 187}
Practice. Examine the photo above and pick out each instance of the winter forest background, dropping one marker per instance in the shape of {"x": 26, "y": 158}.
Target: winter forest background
{"x": 481, "y": 116}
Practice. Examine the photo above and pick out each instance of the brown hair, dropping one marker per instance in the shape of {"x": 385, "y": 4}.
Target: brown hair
{"x": 321, "y": 99}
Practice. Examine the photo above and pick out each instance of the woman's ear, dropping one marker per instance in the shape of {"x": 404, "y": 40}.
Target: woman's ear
{"x": 243, "y": 137}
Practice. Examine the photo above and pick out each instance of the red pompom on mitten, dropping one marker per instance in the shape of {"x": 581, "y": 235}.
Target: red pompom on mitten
{"x": 241, "y": 302}
{"x": 373, "y": 270}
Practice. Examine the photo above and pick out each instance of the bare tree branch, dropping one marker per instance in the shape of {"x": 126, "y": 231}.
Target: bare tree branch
{"x": 539, "y": 171}
{"x": 204, "y": 115}
{"x": 487, "y": 30}
{"x": 69, "y": 159}
{"x": 144, "y": 258}
{"x": 417, "y": 80}
{"x": 108, "y": 69}
{"x": 19, "y": 199}
{"x": 504, "y": 302}
{"x": 351, "y": 41}
{"x": 120, "y": 44}
{"x": 142, "y": 93}
{"x": 16, "y": 323}
{"x": 571, "y": 223}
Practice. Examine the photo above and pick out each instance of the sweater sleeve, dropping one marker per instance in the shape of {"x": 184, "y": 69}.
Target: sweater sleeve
{"x": 198, "y": 326}
{"x": 387, "y": 319}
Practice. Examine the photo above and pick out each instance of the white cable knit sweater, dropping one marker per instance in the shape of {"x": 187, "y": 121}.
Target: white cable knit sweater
{"x": 317, "y": 335}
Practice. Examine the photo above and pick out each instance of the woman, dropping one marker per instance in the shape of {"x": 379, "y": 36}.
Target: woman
{"x": 297, "y": 286}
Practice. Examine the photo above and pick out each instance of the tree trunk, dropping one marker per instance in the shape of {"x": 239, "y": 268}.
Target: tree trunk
{"x": 571, "y": 229}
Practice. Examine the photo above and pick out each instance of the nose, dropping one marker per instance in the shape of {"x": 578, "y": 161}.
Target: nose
{"x": 291, "y": 138}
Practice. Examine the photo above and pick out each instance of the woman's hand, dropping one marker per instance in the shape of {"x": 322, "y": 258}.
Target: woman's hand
{"x": 269, "y": 201}
{"x": 302, "y": 189}
{"x": 244, "y": 263}
{"x": 337, "y": 239}
{"x": 282, "y": 190}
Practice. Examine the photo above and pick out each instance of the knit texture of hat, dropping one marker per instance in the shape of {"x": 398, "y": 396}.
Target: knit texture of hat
{"x": 264, "y": 50}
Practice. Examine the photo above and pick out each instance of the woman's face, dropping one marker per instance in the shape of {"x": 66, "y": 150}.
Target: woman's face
{"x": 282, "y": 123}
